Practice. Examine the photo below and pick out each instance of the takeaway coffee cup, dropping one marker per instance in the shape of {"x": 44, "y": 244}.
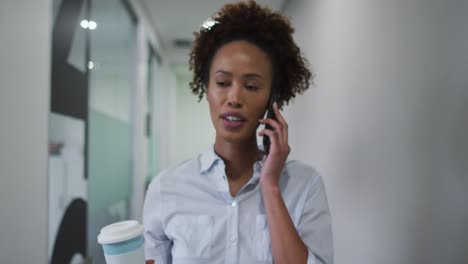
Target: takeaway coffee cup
{"x": 122, "y": 243}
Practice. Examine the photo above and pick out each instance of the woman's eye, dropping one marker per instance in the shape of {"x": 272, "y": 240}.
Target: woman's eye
{"x": 251, "y": 87}
{"x": 222, "y": 83}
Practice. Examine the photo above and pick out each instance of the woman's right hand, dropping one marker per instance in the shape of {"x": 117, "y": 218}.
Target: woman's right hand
{"x": 150, "y": 261}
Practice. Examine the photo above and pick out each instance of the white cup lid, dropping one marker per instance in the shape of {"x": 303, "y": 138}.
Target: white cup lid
{"x": 120, "y": 231}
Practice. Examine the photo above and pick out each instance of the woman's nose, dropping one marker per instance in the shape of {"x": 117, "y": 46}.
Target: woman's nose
{"x": 234, "y": 104}
{"x": 235, "y": 96}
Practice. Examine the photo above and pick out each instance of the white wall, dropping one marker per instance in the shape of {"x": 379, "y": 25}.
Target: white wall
{"x": 164, "y": 118}
{"x": 25, "y": 30}
{"x": 164, "y": 94}
{"x": 387, "y": 125}
{"x": 176, "y": 109}
{"x": 194, "y": 130}
{"x": 163, "y": 103}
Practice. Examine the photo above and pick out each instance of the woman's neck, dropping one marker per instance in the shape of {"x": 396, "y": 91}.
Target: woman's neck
{"x": 238, "y": 157}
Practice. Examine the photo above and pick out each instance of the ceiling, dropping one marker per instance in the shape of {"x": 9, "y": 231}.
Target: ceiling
{"x": 178, "y": 19}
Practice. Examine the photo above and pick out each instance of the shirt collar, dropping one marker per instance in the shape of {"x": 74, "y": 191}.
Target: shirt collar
{"x": 209, "y": 158}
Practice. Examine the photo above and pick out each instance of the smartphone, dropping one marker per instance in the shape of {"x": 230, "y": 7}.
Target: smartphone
{"x": 270, "y": 114}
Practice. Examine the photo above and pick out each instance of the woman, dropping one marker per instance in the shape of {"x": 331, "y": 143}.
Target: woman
{"x": 236, "y": 203}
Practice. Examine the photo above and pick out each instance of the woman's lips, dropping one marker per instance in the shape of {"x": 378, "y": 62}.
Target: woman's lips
{"x": 233, "y": 120}
{"x": 232, "y": 124}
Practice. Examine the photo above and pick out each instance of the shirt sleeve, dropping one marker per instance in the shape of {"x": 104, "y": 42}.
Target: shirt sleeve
{"x": 157, "y": 245}
{"x": 315, "y": 225}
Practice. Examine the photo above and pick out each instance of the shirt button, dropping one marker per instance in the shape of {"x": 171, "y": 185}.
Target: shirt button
{"x": 234, "y": 204}
{"x": 233, "y": 239}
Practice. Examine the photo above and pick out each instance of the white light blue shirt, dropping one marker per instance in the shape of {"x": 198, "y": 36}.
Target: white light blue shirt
{"x": 190, "y": 216}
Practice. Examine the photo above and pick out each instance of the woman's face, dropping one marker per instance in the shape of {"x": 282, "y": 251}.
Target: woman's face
{"x": 239, "y": 87}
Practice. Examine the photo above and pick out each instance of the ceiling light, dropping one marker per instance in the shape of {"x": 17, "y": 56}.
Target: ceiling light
{"x": 92, "y": 25}
{"x": 88, "y": 24}
{"x": 84, "y": 23}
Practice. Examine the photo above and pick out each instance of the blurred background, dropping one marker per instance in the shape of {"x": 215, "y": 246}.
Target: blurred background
{"x": 94, "y": 102}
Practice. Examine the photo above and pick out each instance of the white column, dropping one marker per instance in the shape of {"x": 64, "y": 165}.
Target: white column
{"x": 26, "y": 34}
{"x": 139, "y": 106}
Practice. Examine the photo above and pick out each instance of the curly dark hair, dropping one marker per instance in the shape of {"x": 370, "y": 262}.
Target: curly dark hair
{"x": 270, "y": 31}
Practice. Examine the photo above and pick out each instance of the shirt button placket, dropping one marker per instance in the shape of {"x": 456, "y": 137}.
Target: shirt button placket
{"x": 233, "y": 245}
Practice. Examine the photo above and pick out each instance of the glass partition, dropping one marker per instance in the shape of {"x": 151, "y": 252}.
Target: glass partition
{"x": 111, "y": 67}
{"x": 152, "y": 161}
{"x": 68, "y": 121}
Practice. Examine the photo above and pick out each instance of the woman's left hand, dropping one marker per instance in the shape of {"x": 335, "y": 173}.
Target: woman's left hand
{"x": 279, "y": 149}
